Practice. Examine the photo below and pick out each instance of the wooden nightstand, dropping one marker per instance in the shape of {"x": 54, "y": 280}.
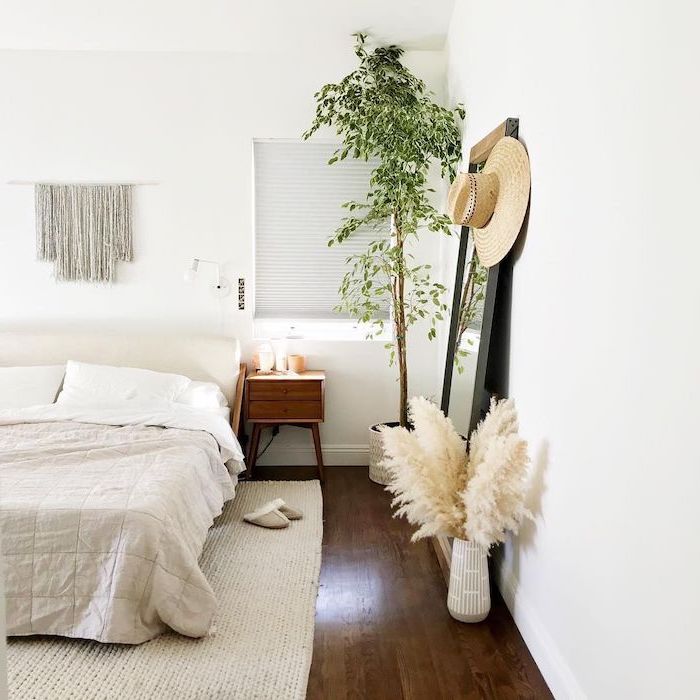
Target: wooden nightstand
{"x": 285, "y": 399}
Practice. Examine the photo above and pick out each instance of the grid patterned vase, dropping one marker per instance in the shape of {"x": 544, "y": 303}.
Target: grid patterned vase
{"x": 377, "y": 473}
{"x": 468, "y": 597}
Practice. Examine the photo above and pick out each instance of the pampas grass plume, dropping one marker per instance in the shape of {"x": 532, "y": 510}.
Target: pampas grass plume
{"x": 442, "y": 489}
{"x": 494, "y": 498}
{"x": 427, "y": 467}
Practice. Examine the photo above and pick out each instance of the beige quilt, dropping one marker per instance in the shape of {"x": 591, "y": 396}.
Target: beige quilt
{"x": 102, "y": 527}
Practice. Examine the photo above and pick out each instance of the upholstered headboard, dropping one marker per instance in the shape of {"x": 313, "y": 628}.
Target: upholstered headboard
{"x": 208, "y": 358}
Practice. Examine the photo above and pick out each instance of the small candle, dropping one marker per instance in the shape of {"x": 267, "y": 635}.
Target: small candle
{"x": 280, "y": 348}
{"x": 280, "y": 362}
{"x": 297, "y": 363}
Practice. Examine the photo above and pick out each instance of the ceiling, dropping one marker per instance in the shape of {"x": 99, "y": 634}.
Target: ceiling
{"x": 218, "y": 25}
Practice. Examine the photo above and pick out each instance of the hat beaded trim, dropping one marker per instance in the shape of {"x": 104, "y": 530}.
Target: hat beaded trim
{"x": 471, "y": 206}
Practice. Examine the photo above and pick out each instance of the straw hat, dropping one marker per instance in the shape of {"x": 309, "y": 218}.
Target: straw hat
{"x": 493, "y": 201}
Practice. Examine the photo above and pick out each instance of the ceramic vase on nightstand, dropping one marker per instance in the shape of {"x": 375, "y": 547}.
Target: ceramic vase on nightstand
{"x": 468, "y": 597}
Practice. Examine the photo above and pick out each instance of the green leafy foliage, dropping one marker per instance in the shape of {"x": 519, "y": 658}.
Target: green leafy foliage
{"x": 382, "y": 111}
{"x": 470, "y": 307}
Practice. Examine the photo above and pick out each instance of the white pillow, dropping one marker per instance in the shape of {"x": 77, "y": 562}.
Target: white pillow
{"x": 21, "y": 387}
{"x": 202, "y": 395}
{"x": 86, "y": 383}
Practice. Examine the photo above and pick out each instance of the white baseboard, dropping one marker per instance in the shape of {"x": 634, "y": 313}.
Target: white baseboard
{"x": 333, "y": 455}
{"x": 544, "y": 650}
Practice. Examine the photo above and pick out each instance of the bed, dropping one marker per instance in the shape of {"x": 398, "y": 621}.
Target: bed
{"x": 105, "y": 504}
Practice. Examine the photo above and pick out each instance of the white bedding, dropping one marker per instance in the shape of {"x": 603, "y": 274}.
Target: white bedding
{"x": 103, "y": 516}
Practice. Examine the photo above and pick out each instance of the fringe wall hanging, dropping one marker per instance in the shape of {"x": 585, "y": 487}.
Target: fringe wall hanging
{"x": 83, "y": 229}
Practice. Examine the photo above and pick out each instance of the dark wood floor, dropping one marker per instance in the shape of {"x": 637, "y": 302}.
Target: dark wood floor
{"x": 382, "y": 626}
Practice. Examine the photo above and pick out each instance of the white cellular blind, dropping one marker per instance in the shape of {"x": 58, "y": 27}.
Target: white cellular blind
{"x": 298, "y": 199}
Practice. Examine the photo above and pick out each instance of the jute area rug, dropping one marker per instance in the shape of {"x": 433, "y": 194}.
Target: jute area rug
{"x": 266, "y": 583}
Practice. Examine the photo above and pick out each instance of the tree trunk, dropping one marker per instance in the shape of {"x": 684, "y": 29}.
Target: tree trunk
{"x": 400, "y": 333}
{"x": 403, "y": 384}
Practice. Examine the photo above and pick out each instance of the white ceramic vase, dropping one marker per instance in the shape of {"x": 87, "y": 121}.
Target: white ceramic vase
{"x": 468, "y": 597}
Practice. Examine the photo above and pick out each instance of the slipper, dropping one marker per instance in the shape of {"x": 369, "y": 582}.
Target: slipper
{"x": 267, "y": 516}
{"x": 282, "y": 507}
{"x": 291, "y": 513}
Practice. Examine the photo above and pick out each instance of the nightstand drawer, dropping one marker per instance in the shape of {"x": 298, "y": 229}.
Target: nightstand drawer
{"x": 285, "y": 390}
{"x": 285, "y": 410}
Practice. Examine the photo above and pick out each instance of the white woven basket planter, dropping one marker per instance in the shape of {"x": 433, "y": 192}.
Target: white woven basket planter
{"x": 468, "y": 597}
{"x": 377, "y": 473}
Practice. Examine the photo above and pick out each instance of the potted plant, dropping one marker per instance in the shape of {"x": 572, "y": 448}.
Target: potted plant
{"x": 382, "y": 111}
{"x": 475, "y": 497}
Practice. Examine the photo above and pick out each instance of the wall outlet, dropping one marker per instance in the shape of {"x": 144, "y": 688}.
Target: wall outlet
{"x": 241, "y": 293}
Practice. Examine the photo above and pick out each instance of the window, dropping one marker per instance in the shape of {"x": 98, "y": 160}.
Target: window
{"x": 298, "y": 199}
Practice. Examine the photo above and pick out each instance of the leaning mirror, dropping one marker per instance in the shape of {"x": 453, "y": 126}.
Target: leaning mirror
{"x": 475, "y": 364}
{"x": 465, "y": 335}
{"x": 476, "y": 358}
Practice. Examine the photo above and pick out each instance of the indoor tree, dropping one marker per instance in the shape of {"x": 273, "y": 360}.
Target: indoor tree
{"x": 383, "y": 112}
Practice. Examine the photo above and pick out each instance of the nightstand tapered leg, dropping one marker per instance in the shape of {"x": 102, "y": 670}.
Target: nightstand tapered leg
{"x": 319, "y": 454}
{"x": 253, "y": 453}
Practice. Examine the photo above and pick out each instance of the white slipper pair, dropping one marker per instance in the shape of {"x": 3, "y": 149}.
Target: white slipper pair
{"x": 274, "y": 514}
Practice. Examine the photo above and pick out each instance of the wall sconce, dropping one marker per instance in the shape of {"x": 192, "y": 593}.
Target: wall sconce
{"x": 221, "y": 286}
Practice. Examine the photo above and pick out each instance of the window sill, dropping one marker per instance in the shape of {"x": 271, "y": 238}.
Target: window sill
{"x": 264, "y": 329}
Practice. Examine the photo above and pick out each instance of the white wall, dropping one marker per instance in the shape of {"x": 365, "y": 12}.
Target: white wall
{"x": 185, "y": 120}
{"x": 605, "y": 341}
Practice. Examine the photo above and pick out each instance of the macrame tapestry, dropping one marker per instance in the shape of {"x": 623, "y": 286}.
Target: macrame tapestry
{"x": 83, "y": 229}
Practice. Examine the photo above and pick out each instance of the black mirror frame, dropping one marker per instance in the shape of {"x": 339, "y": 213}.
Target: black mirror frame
{"x": 491, "y": 367}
